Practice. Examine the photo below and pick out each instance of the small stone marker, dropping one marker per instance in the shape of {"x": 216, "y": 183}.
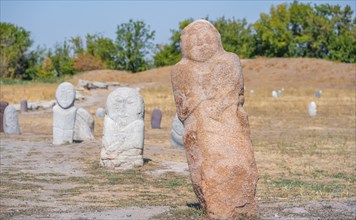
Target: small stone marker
{"x": 312, "y": 109}
{"x": 156, "y": 118}
{"x": 100, "y": 112}
{"x": 11, "y": 120}
{"x": 318, "y": 93}
{"x": 23, "y": 105}
{"x": 177, "y": 133}
{"x": 208, "y": 90}
{"x": 123, "y": 135}
{"x": 274, "y": 94}
{"x": 84, "y": 125}
{"x": 64, "y": 114}
{"x": 3, "y": 105}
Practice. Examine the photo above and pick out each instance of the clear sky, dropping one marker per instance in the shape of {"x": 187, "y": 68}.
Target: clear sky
{"x": 54, "y": 21}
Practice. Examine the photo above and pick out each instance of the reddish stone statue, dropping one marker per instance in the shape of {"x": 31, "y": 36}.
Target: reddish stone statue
{"x": 208, "y": 88}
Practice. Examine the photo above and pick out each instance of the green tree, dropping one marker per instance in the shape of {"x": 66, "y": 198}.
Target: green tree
{"x": 236, "y": 36}
{"x": 102, "y": 48}
{"x": 342, "y": 42}
{"x": 77, "y": 45}
{"x": 14, "y": 43}
{"x": 297, "y": 29}
{"x": 170, "y": 54}
{"x": 272, "y": 32}
{"x": 62, "y": 59}
{"x": 134, "y": 44}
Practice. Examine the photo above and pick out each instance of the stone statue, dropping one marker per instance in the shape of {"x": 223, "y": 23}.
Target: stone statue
{"x": 123, "y": 134}
{"x": 208, "y": 89}
{"x": 84, "y": 125}
{"x": 177, "y": 133}
{"x": 3, "y": 105}
{"x": 156, "y": 118}
{"x": 64, "y": 114}
{"x": 23, "y": 105}
{"x": 11, "y": 120}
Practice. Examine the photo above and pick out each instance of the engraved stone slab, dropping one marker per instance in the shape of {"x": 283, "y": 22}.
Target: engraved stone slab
{"x": 3, "y": 105}
{"x": 65, "y": 95}
{"x": 11, "y": 120}
{"x": 23, "y": 105}
{"x": 156, "y": 118}
{"x": 177, "y": 133}
{"x": 123, "y": 134}
{"x": 208, "y": 89}
{"x": 84, "y": 125}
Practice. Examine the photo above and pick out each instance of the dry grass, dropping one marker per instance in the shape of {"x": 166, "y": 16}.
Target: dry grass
{"x": 32, "y": 92}
{"x": 299, "y": 158}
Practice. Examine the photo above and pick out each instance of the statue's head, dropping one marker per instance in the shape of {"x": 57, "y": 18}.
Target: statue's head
{"x": 65, "y": 95}
{"x": 200, "y": 40}
{"x": 125, "y": 105}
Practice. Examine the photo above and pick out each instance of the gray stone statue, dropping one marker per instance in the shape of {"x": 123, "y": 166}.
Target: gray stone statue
{"x": 177, "y": 133}
{"x": 23, "y": 105}
{"x": 3, "y": 105}
{"x": 11, "y": 120}
{"x": 84, "y": 125}
{"x": 123, "y": 135}
{"x": 64, "y": 114}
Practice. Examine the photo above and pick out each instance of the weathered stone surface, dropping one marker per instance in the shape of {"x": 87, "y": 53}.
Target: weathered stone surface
{"x": 84, "y": 125}
{"x": 83, "y": 83}
{"x": 100, "y": 85}
{"x": 23, "y": 104}
{"x": 65, "y": 95}
{"x": 64, "y": 114}
{"x": 312, "y": 109}
{"x": 63, "y": 125}
{"x": 113, "y": 83}
{"x": 177, "y": 133}
{"x": 208, "y": 89}
{"x": 3, "y": 105}
{"x": 96, "y": 85}
{"x": 123, "y": 134}
{"x": 11, "y": 120}
{"x": 100, "y": 112}
{"x": 41, "y": 105}
{"x": 156, "y": 118}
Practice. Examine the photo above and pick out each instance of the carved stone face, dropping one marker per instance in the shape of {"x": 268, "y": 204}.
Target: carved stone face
{"x": 65, "y": 95}
{"x": 200, "y": 41}
{"x": 125, "y": 105}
